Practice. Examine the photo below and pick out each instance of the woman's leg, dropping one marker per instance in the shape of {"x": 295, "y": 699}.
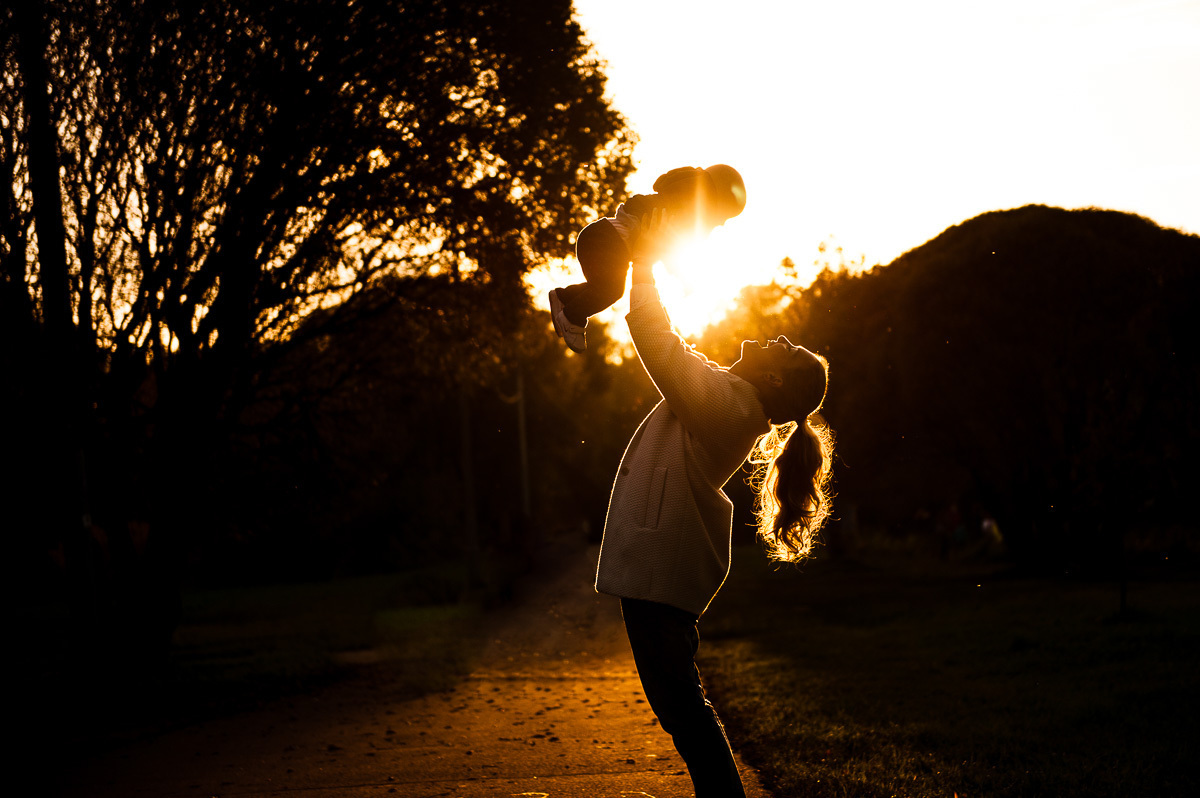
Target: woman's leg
{"x": 664, "y": 642}
{"x": 604, "y": 259}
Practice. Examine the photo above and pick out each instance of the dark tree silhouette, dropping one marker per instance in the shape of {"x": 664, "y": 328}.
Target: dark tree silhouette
{"x": 1033, "y": 364}
{"x": 226, "y": 169}
{"x": 355, "y": 435}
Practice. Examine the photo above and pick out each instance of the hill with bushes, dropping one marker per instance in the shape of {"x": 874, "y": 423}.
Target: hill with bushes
{"x": 1035, "y": 366}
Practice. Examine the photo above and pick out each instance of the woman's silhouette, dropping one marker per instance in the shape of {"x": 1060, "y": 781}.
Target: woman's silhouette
{"x": 666, "y": 543}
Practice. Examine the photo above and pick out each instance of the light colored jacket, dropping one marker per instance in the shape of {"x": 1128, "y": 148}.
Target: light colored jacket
{"x": 667, "y": 535}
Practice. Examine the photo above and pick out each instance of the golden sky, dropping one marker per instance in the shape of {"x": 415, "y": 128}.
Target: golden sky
{"x": 879, "y": 123}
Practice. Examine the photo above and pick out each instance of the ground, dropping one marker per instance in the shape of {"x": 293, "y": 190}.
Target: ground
{"x": 553, "y": 709}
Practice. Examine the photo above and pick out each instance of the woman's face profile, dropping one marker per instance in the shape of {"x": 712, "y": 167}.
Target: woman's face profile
{"x": 769, "y": 366}
{"x": 777, "y": 355}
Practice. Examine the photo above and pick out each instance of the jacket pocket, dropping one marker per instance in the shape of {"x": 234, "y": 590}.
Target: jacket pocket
{"x": 654, "y": 499}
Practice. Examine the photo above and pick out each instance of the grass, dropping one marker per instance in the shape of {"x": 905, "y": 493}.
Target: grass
{"x": 845, "y": 680}
{"x": 262, "y": 641}
{"x": 235, "y": 649}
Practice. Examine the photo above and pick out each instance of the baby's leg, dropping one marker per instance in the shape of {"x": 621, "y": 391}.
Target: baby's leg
{"x": 604, "y": 259}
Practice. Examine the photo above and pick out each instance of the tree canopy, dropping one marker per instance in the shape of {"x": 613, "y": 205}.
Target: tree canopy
{"x": 184, "y": 184}
{"x": 225, "y": 167}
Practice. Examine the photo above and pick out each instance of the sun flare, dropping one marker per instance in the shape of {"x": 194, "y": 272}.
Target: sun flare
{"x": 699, "y": 280}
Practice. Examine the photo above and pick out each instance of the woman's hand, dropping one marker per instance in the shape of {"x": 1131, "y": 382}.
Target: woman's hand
{"x": 650, "y": 245}
{"x": 653, "y": 237}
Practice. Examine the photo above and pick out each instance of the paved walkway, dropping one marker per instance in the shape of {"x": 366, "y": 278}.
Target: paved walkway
{"x": 554, "y": 711}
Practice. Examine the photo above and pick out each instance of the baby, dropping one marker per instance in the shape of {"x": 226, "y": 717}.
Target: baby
{"x": 694, "y": 199}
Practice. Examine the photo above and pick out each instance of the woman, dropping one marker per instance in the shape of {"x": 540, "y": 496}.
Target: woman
{"x": 666, "y": 543}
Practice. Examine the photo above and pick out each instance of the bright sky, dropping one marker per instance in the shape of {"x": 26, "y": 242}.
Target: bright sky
{"x": 880, "y": 123}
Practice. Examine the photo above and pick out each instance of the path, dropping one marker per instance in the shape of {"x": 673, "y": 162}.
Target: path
{"x": 555, "y": 710}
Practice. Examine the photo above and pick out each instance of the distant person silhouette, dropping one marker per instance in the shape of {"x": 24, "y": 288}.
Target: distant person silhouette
{"x": 696, "y": 199}
{"x": 666, "y": 545}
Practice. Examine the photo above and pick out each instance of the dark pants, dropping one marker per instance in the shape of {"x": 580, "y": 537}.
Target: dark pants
{"x": 664, "y": 641}
{"x": 604, "y": 259}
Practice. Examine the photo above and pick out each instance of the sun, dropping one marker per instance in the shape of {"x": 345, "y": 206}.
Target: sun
{"x": 697, "y": 285}
{"x": 699, "y": 280}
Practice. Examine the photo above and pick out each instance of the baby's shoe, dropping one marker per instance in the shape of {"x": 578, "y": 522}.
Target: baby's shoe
{"x": 573, "y": 334}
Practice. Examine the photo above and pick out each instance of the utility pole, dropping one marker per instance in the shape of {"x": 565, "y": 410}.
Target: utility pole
{"x": 523, "y": 447}
{"x": 467, "y": 467}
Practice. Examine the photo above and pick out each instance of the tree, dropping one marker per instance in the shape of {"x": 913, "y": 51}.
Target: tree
{"x": 227, "y": 169}
{"x": 353, "y": 442}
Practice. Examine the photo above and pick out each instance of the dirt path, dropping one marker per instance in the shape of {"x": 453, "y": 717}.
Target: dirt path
{"x": 555, "y": 710}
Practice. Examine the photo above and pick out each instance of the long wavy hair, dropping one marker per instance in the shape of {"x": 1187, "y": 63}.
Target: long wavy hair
{"x": 793, "y": 464}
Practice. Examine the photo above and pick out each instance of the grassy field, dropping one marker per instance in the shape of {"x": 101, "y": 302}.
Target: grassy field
{"x": 248, "y": 642}
{"x": 840, "y": 679}
{"x": 237, "y": 648}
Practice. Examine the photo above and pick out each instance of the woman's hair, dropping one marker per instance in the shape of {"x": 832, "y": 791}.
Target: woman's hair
{"x": 792, "y": 467}
{"x": 793, "y": 464}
